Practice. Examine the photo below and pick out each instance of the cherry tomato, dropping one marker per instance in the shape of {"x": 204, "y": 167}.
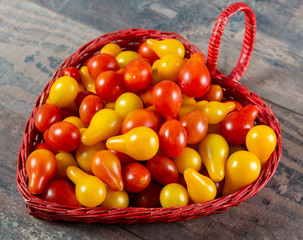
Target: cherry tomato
{"x": 81, "y": 95}
{"x": 147, "y": 52}
{"x": 172, "y": 138}
{"x": 150, "y": 196}
{"x": 60, "y": 191}
{"x": 137, "y": 75}
{"x": 166, "y": 46}
{"x": 40, "y": 167}
{"x": 167, "y": 99}
{"x": 127, "y": 103}
{"x": 111, "y": 48}
{"x": 215, "y": 93}
{"x": 140, "y": 117}
{"x": 173, "y": 195}
{"x": 72, "y": 72}
{"x": 188, "y": 158}
{"x": 67, "y": 112}
{"x": 115, "y": 199}
{"x": 238, "y": 106}
{"x": 89, "y": 106}
{"x": 109, "y": 85}
{"x": 219, "y": 185}
{"x": 45, "y": 146}
{"x": 194, "y": 78}
{"x": 125, "y": 57}
{"x": 124, "y": 159}
{"x": 64, "y": 160}
{"x": 196, "y": 126}
{"x": 100, "y": 63}
{"x": 63, "y": 136}
{"x": 76, "y": 121}
{"x": 47, "y": 115}
{"x": 169, "y": 67}
{"x": 136, "y": 177}
{"x": 163, "y": 170}
{"x": 147, "y": 96}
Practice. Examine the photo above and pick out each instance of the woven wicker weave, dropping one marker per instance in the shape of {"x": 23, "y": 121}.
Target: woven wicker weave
{"x": 131, "y": 39}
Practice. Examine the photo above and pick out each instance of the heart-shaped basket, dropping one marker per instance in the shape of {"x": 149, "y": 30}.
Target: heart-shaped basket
{"x": 131, "y": 39}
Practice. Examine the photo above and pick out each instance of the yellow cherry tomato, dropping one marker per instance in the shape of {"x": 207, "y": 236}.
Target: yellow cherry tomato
{"x": 188, "y": 158}
{"x": 87, "y": 81}
{"x": 193, "y": 107}
{"x": 140, "y": 143}
{"x": 187, "y": 101}
{"x": 90, "y": 190}
{"x": 128, "y": 102}
{"x": 242, "y": 169}
{"x": 173, "y": 195}
{"x": 216, "y": 111}
{"x": 125, "y": 57}
{"x": 64, "y": 160}
{"x": 104, "y": 124}
{"x": 113, "y": 198}
{"x": 200, "y": 188}
{"x": 166, "y": 46}
{"x": 84, "y": 155}
{"x": 64, "y": 91}
{"x": 214, "y": 152}
{"x": 261, "y": 140}
{"x": 112, "y": 49}
{"x": 76, "y": 121}
{"x": 170, "y": 66}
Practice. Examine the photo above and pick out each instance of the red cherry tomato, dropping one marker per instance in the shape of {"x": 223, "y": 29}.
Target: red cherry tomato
{"x": 63, "y": 136}
{"x": 100, "y": 63}
{"x": 136, "y": 177}
{"x": 72, "y": 72}
{"x": 150, "y": 196}
{"x": 109, "y": 85}
{"x": 140, "y": 117}
{"x": 45, "y": 146}
{"x": 196, "y": 125}
{"x": 61, "y": 192}
{"x": 172, "y": 138}
{"x": 147, "y": 96}
{"x": 137, "y": 75}
{"x": 124, "y": 159}
{"x": 194, "y": 78}
{"x": 214, "y": 93}
{"x": 147, "y": 52}
{"x": 167, "y": 99}
{"x": 81, "y": 95}
{"x": 89, "y": 106}
{"x": 47, "y": 115}
{"x": 163, "y": 170}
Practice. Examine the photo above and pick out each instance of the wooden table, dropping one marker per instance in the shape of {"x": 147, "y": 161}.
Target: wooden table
{"x": 35, "y": 38}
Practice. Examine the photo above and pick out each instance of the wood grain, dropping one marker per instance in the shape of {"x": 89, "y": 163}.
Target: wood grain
{"x": 37, "y": 35}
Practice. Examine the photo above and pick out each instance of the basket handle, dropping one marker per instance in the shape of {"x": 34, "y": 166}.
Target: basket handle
{"x": 248, "y": 43}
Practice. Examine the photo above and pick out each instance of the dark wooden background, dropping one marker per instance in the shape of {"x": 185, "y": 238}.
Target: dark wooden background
{"x": 37, "y": 35}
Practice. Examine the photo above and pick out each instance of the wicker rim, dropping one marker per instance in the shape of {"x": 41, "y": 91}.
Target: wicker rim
{"x": 131, "y": 38}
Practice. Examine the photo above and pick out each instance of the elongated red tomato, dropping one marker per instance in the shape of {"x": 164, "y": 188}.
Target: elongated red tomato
{"x": 47, "y": 115}
{"x": 147, "y": 52}
{"x": 72, "y": 72}
{"x": 89, "y": 106}
{"x": 172, "y": 138}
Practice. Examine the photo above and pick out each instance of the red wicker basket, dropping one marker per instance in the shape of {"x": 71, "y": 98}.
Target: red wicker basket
{"x": 131, "y": 39}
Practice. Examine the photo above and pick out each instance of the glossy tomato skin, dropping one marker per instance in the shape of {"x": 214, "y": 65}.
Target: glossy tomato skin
{"x": 150, "y": 196}
{"x": 238, "y": 106}
{"x": 196, "y": 126}
{"x": 60, "y": 191}
{"x": 81, "y": 95}
{"x": 163, "y": 170}
{"x": 137, "y": 75}
{"x": 72, "y": 72}
{"x": 47, "y": 115}
{"x": 147, "y": 52}
{"x": 63, "y": 136}
{"x": 140, "y": 117}
{"x": 167, "y": 99}
{"x": 45, "y": 146}
{"x": 89, "y": 106}
{"x": 109, "y": 85}
{"x": 214, "y": 93}
{"x": 100, "y": 63}
{"x": 172, "y": 138}
{"x": 136, "y": 177}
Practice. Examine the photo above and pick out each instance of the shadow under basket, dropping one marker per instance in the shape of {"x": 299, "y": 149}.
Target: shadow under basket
{"x": 131, "y": 39}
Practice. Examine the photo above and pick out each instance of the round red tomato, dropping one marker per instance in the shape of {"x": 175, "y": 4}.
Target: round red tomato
{"x": 140, "y": 117}
{"x": 63, "y": 136}
{"x": 150, "y": 196}
{"x": 196, "y": 125}
{"x": 194, "y": 78}
{"x": 109, "y": 85}
{"x": 45, "y": 146}
{"x": 136, "y": 177}
{"x": 147, "y": 52}
{"x": 137, "y": 75}
{"x": 100, "y": 63}
{"x": 89, "y": 106}
{"x": 167, "y": 99}
{"x": 172, "y": 138}
{"x": 47, "y": 115}
{"x": 80, "y": 96}
{"x": 214, "y": 93}
{"x": 163, "y": 170}
{"x": 72, "y": 72}
{"x": 61, "y": 192}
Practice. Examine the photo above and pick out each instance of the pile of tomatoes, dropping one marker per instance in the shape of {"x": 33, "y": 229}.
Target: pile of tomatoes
{"x": 144, "y": 128}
